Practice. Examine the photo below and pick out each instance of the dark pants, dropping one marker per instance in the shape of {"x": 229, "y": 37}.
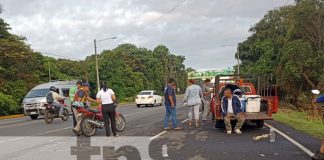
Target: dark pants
{"x": 74, "y": 118}
{"x": 109, "y": 112}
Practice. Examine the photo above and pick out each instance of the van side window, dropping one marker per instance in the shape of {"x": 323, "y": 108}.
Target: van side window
{"x": 65, "y": 92}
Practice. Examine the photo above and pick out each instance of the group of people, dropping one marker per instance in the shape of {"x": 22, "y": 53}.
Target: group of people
{"x": 195, "y": 97}
{"x": 79, "y": 94}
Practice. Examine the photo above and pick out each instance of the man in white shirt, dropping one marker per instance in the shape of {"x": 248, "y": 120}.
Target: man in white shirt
{"x": 232, "y": 108}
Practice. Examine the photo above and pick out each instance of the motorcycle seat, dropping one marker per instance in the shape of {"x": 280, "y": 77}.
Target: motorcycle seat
{"x": 93, "y": 110}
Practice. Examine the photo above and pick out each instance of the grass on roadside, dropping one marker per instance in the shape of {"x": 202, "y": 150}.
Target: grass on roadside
{"x": 300, "y": 121}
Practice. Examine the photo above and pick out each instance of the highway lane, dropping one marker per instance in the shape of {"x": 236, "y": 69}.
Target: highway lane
{"x": 32, "y": 136}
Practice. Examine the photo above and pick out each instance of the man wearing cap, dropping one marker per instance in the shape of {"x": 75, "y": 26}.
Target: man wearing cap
{"x": 82, "y": 95}
{"x": 72, "y": 92}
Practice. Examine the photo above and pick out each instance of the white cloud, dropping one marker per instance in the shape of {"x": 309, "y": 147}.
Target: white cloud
{"x": 197, "y": 29}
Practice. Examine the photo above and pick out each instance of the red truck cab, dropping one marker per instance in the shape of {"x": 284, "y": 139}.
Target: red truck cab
{"x": 269, "y": 104}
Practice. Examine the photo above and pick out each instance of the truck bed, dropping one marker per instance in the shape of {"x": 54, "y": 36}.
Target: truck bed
{"x": 254, "y": 116}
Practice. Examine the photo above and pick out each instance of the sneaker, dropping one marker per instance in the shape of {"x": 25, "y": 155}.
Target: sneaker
{"x": 228, "y": 132}
{"x": 177, "y": 128}
{"x": 318, "y": 156}
{"x": 167, "y": 128}
{"x": 116, "y": 135}
{"x": 238, "y": 131}
{"x": 78, "y": 133}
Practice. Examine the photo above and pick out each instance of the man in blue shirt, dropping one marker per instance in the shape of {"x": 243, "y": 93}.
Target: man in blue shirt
{"x": 320, "y": 155}
{"x": 170, "y": 105}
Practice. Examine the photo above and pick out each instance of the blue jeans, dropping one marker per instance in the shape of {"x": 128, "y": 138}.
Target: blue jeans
{"x": 170, "y": 111}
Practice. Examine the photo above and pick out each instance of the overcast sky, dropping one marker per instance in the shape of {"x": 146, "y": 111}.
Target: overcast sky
{"x": 197, "y": 29}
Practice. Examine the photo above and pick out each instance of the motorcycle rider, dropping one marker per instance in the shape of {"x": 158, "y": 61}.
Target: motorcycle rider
{"x": 53, "y": 97}
{"x": 81, "y": 97}
{"x": 320, "y": 155}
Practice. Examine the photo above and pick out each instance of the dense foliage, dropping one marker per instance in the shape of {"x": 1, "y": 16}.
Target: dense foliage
{"x": 127, "y": 69}
{"x": 288, "y": 43}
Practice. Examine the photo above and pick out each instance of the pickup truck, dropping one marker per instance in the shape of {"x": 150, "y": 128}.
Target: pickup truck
{"x": 268, "y": 103}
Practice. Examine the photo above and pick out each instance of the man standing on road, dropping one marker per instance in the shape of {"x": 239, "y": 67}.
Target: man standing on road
{"x": 72, "y": 92}
{"x": 231, "y": 107}
{"x": 82, "y": 96}
{"x": 206, "y": 99}
{"x": 320, "y": 155}
{"x": 170, "y": 105}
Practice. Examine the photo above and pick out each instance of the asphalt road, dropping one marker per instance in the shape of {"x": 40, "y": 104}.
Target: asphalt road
{"x": 144, "y": 138}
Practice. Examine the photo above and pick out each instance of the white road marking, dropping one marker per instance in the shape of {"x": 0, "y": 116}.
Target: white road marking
{"x": 19, "y": 138}
{"x": 165, "y": 151}
{"x": 156, "y": 136}
{"x": 307, "y": 151}
{"x": 5, "y": 122}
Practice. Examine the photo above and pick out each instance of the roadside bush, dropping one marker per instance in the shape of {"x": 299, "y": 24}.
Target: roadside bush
{"x": 8, "y": 105}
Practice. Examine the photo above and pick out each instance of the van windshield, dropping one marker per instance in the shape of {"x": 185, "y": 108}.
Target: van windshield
{"x": 37, "y": 93}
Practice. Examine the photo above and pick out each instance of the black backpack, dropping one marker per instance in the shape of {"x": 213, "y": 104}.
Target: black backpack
{"x": 49, "y": 98}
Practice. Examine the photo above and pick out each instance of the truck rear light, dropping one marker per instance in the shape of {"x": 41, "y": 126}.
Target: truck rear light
{"x": 150, "y": 97}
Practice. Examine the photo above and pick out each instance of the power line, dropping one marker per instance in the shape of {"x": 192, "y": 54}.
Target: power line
{"x": 60, "y": 56}
{"x": 286, "y": 2}
{"x": 155, "y": 20}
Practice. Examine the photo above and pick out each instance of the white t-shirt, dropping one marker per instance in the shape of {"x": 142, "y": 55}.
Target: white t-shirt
{"x": 230, "y": 107}
{"x": 105, "y": 96}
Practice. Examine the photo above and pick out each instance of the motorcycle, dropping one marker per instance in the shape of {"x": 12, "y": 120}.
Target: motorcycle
{"x": 92, "y": 119}
{"x": 52, "y": 112}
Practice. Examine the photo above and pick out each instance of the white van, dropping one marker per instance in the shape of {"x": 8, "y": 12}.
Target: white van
{"x": 33, "y": 103}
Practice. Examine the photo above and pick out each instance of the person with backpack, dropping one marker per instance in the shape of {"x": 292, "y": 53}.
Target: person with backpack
{"x": 53, "y": 97}
{"x": 106, "y": 97}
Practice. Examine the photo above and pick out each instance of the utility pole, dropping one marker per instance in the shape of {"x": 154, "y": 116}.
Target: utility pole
{"x": 49, "y": 72}
{"x": 238, "y": 59}
{"x": 96, "y": 55}
{"x": 97, "y": 67}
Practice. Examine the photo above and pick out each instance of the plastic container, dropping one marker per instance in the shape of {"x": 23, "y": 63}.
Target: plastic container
{"x": 253, "y": 103}
{"x": 272, "y": 135}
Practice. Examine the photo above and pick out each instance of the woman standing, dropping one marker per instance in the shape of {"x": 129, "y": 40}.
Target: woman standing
{"x": 107, "y": 97}
{"x": 192, "y": 100}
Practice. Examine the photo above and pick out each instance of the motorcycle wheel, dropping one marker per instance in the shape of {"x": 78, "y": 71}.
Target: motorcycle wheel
{"x": 87, "y": 128}
{"x": 65, "y": 114}
{"x": 48, "y": 117}
{"x": 120, "y": 123}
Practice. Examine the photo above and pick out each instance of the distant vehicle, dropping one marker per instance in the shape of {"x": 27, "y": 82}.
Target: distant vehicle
{"x": 148, "y": 97}
{"x": 35, "y": 100}
{"x": 257, "y": 105}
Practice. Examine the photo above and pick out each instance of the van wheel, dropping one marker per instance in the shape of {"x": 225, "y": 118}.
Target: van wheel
{"x": 138, "y": 106}
{"x": 260, "y": 123}
{"x": 33, "y": 117}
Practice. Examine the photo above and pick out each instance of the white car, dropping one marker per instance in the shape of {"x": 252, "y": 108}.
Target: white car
{"x": 148, "y": 97}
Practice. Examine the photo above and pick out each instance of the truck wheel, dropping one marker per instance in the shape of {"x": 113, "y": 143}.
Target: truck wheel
{"x": 219, "y": 124}
{"x": 138, "y": 105}
{"x": 33, "y": 117}
{"x": 260, "y": 123}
